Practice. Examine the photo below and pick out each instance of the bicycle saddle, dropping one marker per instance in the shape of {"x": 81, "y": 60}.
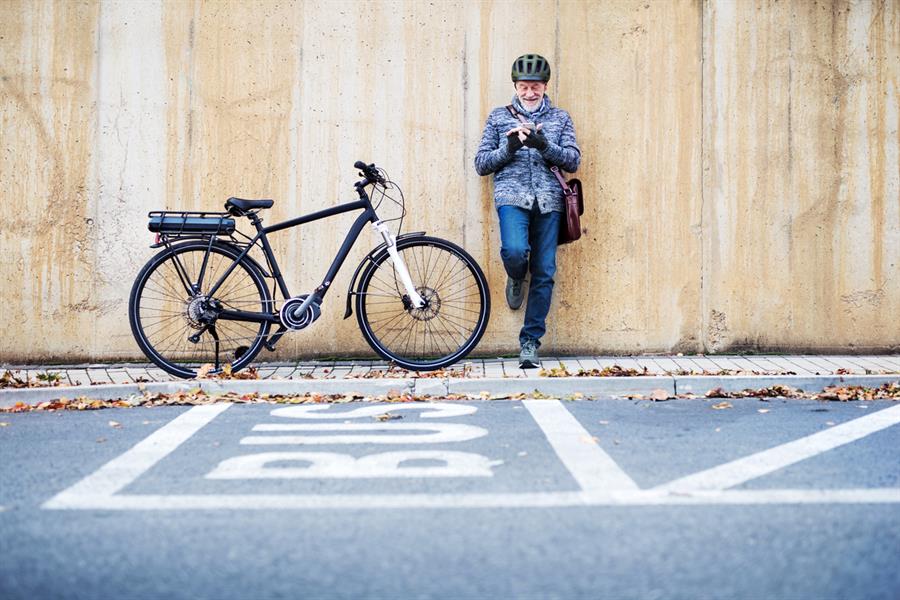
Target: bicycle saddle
{"x": 244, "y": 205}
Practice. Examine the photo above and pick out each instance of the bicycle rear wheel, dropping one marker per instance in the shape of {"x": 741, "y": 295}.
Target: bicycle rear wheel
{"x": 447, "y": 328}
{"x": 169, "y": 304}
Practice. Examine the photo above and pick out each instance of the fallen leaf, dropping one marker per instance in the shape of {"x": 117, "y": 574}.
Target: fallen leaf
{"x": 115, "y": 424}
{"x": 763, "y": 410}
{"x": 4, "y": 424}
{"x": 590, "y": 439}
{"x": 659, "y": 394}
{"x": 604, "y": 422}
{"x": 100, "y": 440}
{"x": 722, "y": 405}
{"x": 388, "y": 417}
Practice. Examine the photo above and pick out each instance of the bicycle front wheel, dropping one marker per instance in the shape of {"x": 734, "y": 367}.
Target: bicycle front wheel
{"x": 447, "y": 328}
{"x": 169, "y": 305}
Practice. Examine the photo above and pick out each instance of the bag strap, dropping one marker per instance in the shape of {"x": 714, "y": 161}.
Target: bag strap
{"x": 512, "y": 110}
{"x": 562, "y": 180}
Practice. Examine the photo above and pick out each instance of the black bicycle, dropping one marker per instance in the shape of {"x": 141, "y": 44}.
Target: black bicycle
{"x": 421, "y": 302}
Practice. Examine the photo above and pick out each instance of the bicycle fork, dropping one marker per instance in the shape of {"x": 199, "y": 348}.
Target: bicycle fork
{"x": 391, "y": 241}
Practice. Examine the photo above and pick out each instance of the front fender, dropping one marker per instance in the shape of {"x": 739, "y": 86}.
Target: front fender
{"x": 351, "y": 289}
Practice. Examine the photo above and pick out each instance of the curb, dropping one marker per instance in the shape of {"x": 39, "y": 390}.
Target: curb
{"x": 807, "y": 383}
{"x": 589, "y": 387}
{"x": 34, "y": 396}
{"x": 593, "y": 387}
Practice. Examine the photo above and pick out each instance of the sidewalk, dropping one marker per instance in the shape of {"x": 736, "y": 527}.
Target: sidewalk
{"x": 585, "y": 376}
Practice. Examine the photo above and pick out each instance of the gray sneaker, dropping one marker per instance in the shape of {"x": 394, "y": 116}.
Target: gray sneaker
{"x": 515, "y": 292}
{"x": 528, "y": 357}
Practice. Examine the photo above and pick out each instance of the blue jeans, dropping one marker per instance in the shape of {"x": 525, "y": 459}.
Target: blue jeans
{"x": 528, "y": 242}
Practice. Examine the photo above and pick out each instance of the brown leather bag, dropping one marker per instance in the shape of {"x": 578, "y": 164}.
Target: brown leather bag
{"x": 570, "y": 225}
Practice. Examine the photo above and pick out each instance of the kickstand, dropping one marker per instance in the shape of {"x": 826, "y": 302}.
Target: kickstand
{"x": 212, "y": 332}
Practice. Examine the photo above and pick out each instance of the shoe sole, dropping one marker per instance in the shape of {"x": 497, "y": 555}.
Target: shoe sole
{"x": 527, "y": 364}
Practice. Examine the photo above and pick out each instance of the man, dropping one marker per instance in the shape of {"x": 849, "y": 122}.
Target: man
{"x": 528, "y": 197}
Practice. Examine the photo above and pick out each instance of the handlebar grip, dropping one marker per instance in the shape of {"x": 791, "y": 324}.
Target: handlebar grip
{"x": 360, "y": 165}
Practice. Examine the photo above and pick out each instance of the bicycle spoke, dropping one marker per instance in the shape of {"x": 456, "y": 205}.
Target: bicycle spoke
{"x": 167, "y": 315}
{"x": 454, "y": 314}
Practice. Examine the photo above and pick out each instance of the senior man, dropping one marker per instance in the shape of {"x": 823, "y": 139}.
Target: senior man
{"x": 519, "y": 145}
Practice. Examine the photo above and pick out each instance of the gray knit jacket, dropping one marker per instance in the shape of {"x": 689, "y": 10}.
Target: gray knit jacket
{"x": 524, "y": 177}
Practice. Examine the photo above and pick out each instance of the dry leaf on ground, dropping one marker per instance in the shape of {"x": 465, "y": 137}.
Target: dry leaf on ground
{"x": 387, "y": 417}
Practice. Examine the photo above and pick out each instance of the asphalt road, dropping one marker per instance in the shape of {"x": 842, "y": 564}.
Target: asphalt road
{"x": 611, "y": 499}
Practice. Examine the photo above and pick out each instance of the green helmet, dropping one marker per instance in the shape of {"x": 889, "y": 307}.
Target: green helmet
{"x": 531, "y": 67}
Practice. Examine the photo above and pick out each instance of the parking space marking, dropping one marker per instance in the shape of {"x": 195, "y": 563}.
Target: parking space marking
{"x": 756, "y": 465}
{"x": 445, "y": 501}
{"x": 437, "y": 433}
{"x": 591, "y": 467}
{"x": 330, "y": 465}
{"x": 604, "y": 483}
{"x": 127, "y": 467}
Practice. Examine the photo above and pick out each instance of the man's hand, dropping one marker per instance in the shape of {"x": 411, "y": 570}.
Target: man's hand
{"x": 536, "y": 140}
{"x": 514, "y": 140}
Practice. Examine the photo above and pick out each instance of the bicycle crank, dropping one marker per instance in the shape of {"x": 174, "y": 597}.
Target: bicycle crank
{"x": 294, "y": 317}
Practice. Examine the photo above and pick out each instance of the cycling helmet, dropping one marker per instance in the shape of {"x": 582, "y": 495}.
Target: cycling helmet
{"x": 531, "y": 67}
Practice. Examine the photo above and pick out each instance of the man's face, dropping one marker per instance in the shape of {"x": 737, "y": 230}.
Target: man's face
{"x": 530, "y": 93}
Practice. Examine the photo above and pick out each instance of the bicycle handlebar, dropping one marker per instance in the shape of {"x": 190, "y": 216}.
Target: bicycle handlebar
{"x": 370, "y": 172}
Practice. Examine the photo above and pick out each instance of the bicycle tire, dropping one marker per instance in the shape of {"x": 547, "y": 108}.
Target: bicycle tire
{"x": 163, "y": 314}
{"x": 459, "y": 305}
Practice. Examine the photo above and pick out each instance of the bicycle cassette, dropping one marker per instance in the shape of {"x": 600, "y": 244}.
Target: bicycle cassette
{"x": 294, "y": 321}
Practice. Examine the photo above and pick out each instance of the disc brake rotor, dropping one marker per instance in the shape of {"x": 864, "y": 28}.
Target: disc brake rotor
{"x": 432, "y": 305}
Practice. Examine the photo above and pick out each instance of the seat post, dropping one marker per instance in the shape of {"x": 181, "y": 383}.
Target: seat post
{"x": 257, "y": 222}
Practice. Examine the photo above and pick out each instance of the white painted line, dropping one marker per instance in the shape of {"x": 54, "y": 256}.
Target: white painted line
{"x": 125, "y": 468}
{"x": 444, "y": 501}
{"x": 438, "y": 433}
{"x": 756, "y": 465}
{"x": 430, "y": 410}
{"x": 331, "y": 465}
{"x": 591, "y": 467}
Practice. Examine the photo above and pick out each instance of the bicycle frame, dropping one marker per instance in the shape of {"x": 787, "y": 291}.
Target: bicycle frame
{"x": 367, "y": 216}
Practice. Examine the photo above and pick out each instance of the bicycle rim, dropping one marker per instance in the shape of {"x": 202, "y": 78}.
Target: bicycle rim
{"x": 451, "y": 324}
{"x": 164, "y": 313}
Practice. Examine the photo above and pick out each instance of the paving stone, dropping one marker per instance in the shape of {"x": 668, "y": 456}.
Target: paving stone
{"x": 866, "y": 363}
{"x": 893, "y": 361}
{"x": 98, "y": 376}
{"x": 885, "y": 364}
{"x": 764, "y": 364}
{"x": 650, "y": 364}
{"x": 665, "y": 365}
{"x": 493, "y": 368}
{"x": 511, "y": 368}
{"x": 119, "y": 376}
{"x": 77, "y": 377}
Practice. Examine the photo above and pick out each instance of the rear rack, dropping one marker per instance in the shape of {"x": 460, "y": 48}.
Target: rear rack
{"x": 176, "y": 224}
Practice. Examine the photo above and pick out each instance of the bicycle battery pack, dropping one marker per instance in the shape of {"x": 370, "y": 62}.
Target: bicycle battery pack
{"x": 186, "y": 223}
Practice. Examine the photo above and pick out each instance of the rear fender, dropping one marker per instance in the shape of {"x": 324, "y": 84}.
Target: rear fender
{"x": 351, "y": 290}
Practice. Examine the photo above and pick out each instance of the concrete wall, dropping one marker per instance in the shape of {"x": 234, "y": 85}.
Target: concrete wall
{"x": 740, "y": 158}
